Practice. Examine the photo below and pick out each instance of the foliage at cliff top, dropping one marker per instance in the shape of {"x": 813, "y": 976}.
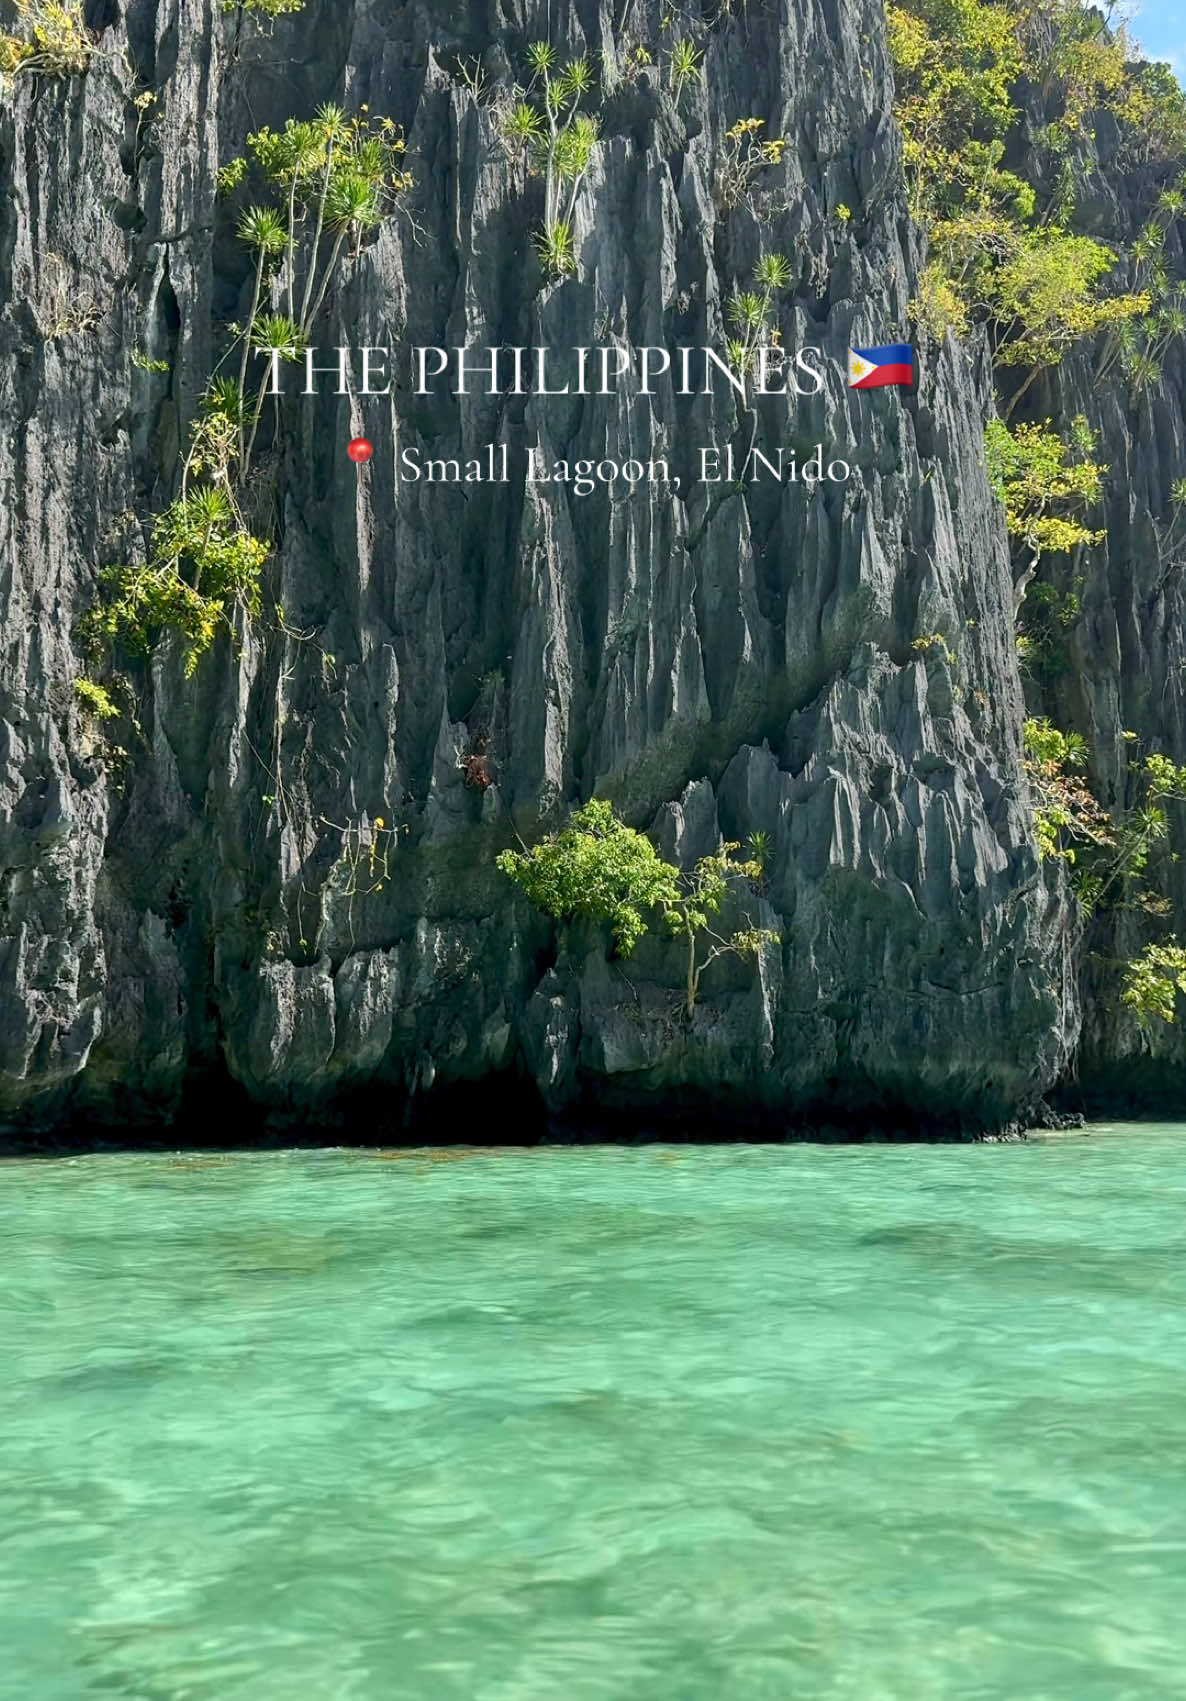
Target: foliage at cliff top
{"x": 1004, "y": 247}
{"x": 960, "y": 67}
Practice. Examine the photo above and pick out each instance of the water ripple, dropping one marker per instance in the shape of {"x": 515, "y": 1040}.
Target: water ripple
{"x": 872, "y": 1424}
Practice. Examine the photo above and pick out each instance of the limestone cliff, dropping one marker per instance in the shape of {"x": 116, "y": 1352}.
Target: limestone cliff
{"x": 181, "y": 914}
{"x": 1124, "y": 668}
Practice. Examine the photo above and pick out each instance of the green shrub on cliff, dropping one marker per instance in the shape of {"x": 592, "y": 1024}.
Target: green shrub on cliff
{"x": 745, "y": 155}
{"x": 1110, "y": 849}
{"x": 264, "y": 8}
{"x": 600, "y": 869}
{"x": 556, "y": 248}
{"x": 938, "y": 306}
{"x": 1152, "y": 982}
{"x": 1066, "y": 813}
{"x": 203, "y": 564}
{"x": 1138, "y": 344}
{"x": 749, "y": 313}
{"x": 51, "y": 38}
{"x": 596, "y": 867}
{"x": 1043, "y": 480}
{"x": 1047, "y": 617}
{"x": 683, "y": 66}
{"x": 96, "y": 699}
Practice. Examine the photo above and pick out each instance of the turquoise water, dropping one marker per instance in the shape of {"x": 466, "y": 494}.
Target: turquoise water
{"x": 674, "y": 1424}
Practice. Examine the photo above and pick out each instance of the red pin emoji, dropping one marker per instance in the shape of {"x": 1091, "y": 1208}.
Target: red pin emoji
{"x": 359, "y": 450}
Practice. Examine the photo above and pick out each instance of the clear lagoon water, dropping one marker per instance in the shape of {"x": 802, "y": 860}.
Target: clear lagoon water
{"x": 650, "y": 1424}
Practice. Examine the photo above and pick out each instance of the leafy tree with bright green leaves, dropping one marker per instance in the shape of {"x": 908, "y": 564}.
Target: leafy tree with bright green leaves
{"x": 956, "y": 63}
{"x": 1110, "y": 851}
{"x": 1045, "y": 297}
{"x": 596, "y": 867}
{"x": 1152, "y": 982}
{"x": 1044, "y": 481}
{"x": 692, "y": 914}
{"x": 600, "y": 869}
{"x": 1040, "y": 290}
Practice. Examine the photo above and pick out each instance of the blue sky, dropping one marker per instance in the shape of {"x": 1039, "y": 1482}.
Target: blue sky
{"x": 1160, "y": 27}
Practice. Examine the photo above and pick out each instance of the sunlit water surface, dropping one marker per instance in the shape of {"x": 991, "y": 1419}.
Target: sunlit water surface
{"x": 714, "y": 1424}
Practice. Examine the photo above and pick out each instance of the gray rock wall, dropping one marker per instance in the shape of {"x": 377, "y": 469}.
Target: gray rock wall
{"x": 714, "y": 662}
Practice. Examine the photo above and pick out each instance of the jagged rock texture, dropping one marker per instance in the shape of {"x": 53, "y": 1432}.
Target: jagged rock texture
{"x": 1124, "y": 670}
{"x": 186, "y": 912}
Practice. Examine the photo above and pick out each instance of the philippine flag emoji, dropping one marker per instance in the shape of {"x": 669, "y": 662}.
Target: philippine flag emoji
{"x": 870, "y": 368}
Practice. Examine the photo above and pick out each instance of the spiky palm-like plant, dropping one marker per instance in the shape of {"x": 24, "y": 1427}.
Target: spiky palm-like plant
{"x": 685, "y": 64}
{"x": 556, "y": 249}
{"x": 749, "y": 311}
{"x": 544, "y": 123}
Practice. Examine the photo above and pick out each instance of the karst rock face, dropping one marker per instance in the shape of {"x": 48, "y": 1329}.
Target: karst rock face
{"x": 1122, "y": 682}
{"x": 831, "y": 665}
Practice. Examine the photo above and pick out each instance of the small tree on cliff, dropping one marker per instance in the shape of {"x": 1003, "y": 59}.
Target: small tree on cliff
{"x": 328, "y": 182}
{"x": 50, "y": 38}
{"x": 598, "y": 867}
{"x": 544, "y": 126}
